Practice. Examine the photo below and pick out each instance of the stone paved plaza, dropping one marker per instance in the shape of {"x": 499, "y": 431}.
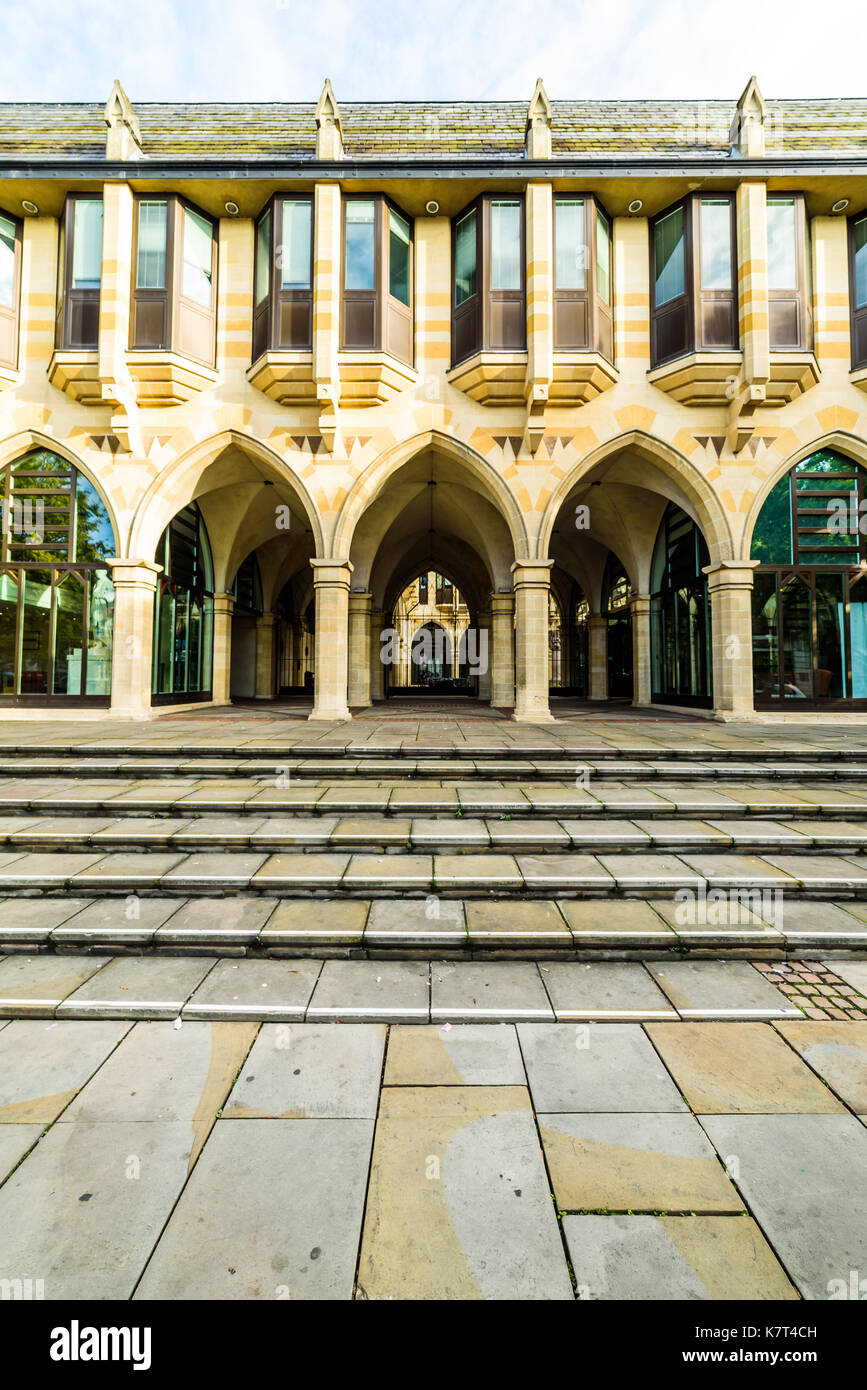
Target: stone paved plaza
{"x": 407, "y": 1008}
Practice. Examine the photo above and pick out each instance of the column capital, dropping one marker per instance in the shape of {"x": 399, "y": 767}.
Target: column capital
{"x": 331, "y": 571}
{"x": 224, "y": 603}
{"x": 639, "y": 603}
{"x": 360, "y": 599}
{"x": 730, "y": 574}
{"x": 266, "y": 619}
{"x": 502, "y": 603}
{"x": 534, "y": 572}
{"x": 136, "y": 573}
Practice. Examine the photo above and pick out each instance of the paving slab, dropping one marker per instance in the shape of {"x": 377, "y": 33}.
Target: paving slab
{"x": 619, "y": 922}
{"x": 422, "y": 922}
{"x": 137, "y": 830}
{"x": 819, "y": 872}
{"x": 604, "y": 991}
{"x": 15, "y": 1140}
{"x": 223, "y": 870}
{"x": 277, "y": 990}
{"x": 645, "y": 1258}
{"x": 854, "y": 972}
{"x": 278, "y": 832}
{"x": 292, "y": 871}
{"x": 162, "y": 1073}
{"x": 499, "y": 990}
{"x": 314, "y": 922}
{"x": 721, "y": 989}
{"x": 643, "y": 1162}
{"x": 656, "y": 873}
{"x": 130, "y": 921}
{"x": 596, "y": 1067}
{"x": 42, "y": 870}
{"x": 371, "y": 991}
{"x": 823, "y": 924}
{"x": 231, "y": 832}
{"x": 516, "y": 923}
{"x": 721, "y": 917}
{"x": 33, "y": 986}
{"x": 798, "y": 1176}
{"x": 837, "y": 1050}
{"x": 310, "y": 1070}
{"x": 367, "y": 832}
{"x": 137, "y": 987}
{"x": 34, "y": 919}
{"x": 561, "y": 873}
{"x": 295, "y": 1234}
{"x": 466, "y": 1054}
{"x": 739, "y": 1068}
{"x": 71, "y": 1213}
{"x": 228, "y": 920}
{"x": 131, "y": 871}
{"x": 599, "y": 833}
{"x": 440, "y": 834}
{"x": 475, "y": 1218}
{"x": 406, "y": 872}
{"x": 43, "y": 1065}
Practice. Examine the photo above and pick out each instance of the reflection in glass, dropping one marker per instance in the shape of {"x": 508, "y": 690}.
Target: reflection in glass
{"x": 766, "y": 647}
{"x": 716, "y": 244}
{"x": 797, "y": 615}
{"x": 569, "y": 243}
{"x": 36, "y": 621}
{"x": 296, "y": 248}
{"x": 8, "y": 630}
{"x": 7, "y": 263}
{"x": 782, "y": 251}
{"x": 398, "y": 257}
{"x": 198, "y": 258}
{"x": 151, "y": 260}
{"x": 87, "y": 244}
{"x": 68, "y": 625}
{"x": 100, "y": 632}
{"x": 858, "y": 637}
{"x": 465, "y": 258}
{"x": 830, "y": 635}
{"x": 669, "y": 256}
{"x": 360, "y": 257}
{"x": 505, "y": 245}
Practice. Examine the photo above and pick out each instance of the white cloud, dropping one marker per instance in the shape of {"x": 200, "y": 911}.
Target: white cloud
{"x": 280, "y": 50}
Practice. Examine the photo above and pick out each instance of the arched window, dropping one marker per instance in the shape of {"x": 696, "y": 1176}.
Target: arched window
{"x": 810, "y": 586}
{"x": 616, "y": 593}
{"x": 680, "y": 613}
{"x": 184, "y": 612}
{"x": 431, "y": 655}
{"x": 248, "y": 587}
{"x": 56, "y": 592}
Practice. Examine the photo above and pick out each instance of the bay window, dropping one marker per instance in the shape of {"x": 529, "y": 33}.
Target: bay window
{"x": 283, "y": 308}
{"x": 488, "y": 283}
{"x": 174, "y": 279}
{"x": 582, "y": 277}
{"x": 788, "y": 273}
{"x": 10, "y": 288}
{"x": 79, "y": 273}
{"x": 377, "y": 296}
{"x": 858, "y": 288}
{"x": 693, "y": 278}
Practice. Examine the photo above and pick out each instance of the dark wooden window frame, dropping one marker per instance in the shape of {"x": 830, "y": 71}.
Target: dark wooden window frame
{"x": 174, "y": 309}
{"x": 485, "y": 311}
{"x": 283, "y": 320}
{"x": 794, "y": 303}
{"x": 698, "y": 320}
{"x": 373, "y": 320}
{"x": 9, "y": 314}
{"x": 583, "y": 321}
{"x": 857, "y": 313}
{"x": 77, "y": 311}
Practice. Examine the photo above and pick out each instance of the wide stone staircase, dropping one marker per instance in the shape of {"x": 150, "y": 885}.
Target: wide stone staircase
{"x": 416, "y": 850}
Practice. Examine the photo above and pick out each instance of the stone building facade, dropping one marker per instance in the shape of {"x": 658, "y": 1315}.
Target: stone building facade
{"x": 261, "y": 367}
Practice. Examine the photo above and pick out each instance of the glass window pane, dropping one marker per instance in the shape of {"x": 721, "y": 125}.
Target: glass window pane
{"x": 796, "y": 600}
{"x": 831, "y": 683}
{"x": 34, "y": 633}
{"x": 716, "y": 244}
{"x": 263, "y": 256}
{"x": 858, "y": 637}
{"x": 569, "y": 242}
{"x": 68, "y": 634}
{"x": 465, "y": 258}
{"x": 772, "y": 537}
{"x": 295, "y": 251}
{"x": 782, "y": 258}
{"x": 151, "y": 262}
{"x": 100, "y": 632}
{"x": 603, "y": 258}
{"x": 669, "y": 254}
{"x": 198, "y": 258}
{"x": 94, "y": 537}
{"x": 766, "y": 653}
{"x": 860, "y": 231}
{"x": 505, "y": 245}
{"x": 87, "y": 244}
{"x": 8, "y": 628}
{"x": 7, "y": 263}
{"x": 398, "y": 257}
{"x": 360, "y": 245}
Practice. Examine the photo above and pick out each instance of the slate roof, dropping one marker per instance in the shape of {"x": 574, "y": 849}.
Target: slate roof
{"x": 418, "y": 130}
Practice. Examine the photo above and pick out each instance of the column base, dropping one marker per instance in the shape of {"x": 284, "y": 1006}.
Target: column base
{"x": 532, "y": 716}
{"x": 331, "y": 715}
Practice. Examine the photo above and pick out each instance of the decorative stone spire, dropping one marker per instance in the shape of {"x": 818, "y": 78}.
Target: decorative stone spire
{"x": 123, "y": 136}
{"x": 747, "y": 134}
{"x": 329, "y": 128}
{"x": 537, "y": 141}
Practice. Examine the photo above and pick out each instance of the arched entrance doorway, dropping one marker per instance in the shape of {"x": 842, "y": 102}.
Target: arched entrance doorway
{"x": 810, "y": 587}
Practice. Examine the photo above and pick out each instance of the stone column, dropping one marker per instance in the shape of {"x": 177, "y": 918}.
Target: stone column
{"x": 829, "y": 237}
{"x": 326, "y": 304}
{"x": 540, "y": 306}
{"x": 224, "y": 606}
{"x": 265, "y": 657}
{"x": 359, "y": 649}
{"x": 639, "y": 606}
{"x": 730, "y": 584}
{"x": 114, "y": 294}
{"x": 502, "y": 650}
{"x": 597, "y": 656}
{"x": 532, "y": 590}
{"x": 484, "y": 648}
{"x": 377, "y": 670}
{"x": 331, "y": 651}
{"x": 753, "y": 282}
{"x": 135, "y": 583}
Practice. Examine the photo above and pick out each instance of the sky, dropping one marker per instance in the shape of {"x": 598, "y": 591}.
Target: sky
{"x": 281, "y": 50}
